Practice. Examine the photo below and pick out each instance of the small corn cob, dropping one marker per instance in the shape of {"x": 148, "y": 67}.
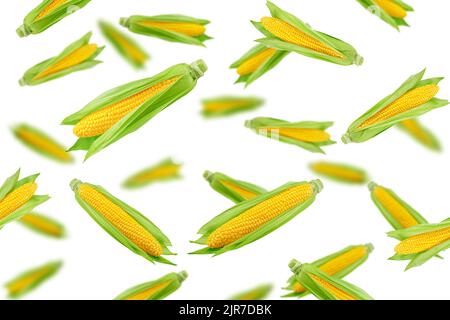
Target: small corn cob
{"x": 286, "y": 32}
{"x": 397, "y": 212}
{"x": 422, "y": 242}
{"x": 31, "y": 279}
{"x": 80, "y": 55}
{"x": 41, "y": 143}
{"x": 155, "y": 290}
{"x": 309, "y": 135}
{"x": 420, "y": 133}
{"x": 393, "y": 12}
{"x": 339, "y": 172}
{"x": 43, "y": 225}
{"x": 122, "y": 222}
{"x": 252, "y": 219}
{"x": 174, "y": 28}
{"x": 338, "y": 264}
{"x": 259, "y": 293}
{"x": 125, "y": 109}
{"x": 256, "y": 62}
{"x": 126, "y": 46}
{"x": 235, "y": 190}
{"x": 324, "y": 286}
{"x": 17, "y": 197}
{"x": 414, "y": 98}
{"x": 228, "y": 105}
{"x": 47, "y": 14}
{"x": 162, "y": 171}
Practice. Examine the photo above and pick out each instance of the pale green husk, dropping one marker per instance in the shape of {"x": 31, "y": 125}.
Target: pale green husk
{"x": 250, "y": 103}
{"x": 433, "y": 144}
{"x": 131, "y": 182}
{"x": 259, "y": 293}
{"x": 372, "y": 7}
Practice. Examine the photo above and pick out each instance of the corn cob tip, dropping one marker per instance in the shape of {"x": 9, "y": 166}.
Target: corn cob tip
{"x": 372, "y": 185}
{"x": 208, "y": 175}
{"x": 248, "y": 123}
{"x": 182, "y": 276}
{"x": 295, "y": 266}
{"x": 199, "y": 68}
{"x": 22, "y": 82}
{"x": 369, "y": 247}
{"x": 124, "y": 22}
{"x": 346, "y": 138}
{"x": 23, "y": 31}
{"x": 317, "y": 185}
{"x": 359, "y": 60}
{"x": 74, "y": 184}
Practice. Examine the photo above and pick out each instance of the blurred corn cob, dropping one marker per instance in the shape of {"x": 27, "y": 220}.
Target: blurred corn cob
{"x": 414, "y": 98}
{"x": 259, "y": 293}
{"x": 174, "y": 28}
{"x": 162, "y": 171}
{"x": 80, "y": 55}
{"x": 252, "y": 219}
{"x": 339, "y": 172}
{"x": 126, "y": 46}
{"x": 43, "y": 225}
{"x": 122, "y": 222}
{"x": 123, "y": 110}
{"x": 155, "y": 290}
{"x": 420, "y": 133}
{"x": 309, "y": 135}
{"x": 41, "y": 143}
{"x": 393, "y": 12}
{"x": 228, "y": 105}
{"x": 31, "y": 279}
{"x": 338, "y": 264}
{"x": 47, "y": 14}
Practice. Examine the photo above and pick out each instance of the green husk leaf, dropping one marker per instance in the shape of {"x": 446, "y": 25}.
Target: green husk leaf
{"x": 132, "y": 183}
{"x": 9, "y": 184}
{"x": 375, "y": 9}
{"x": 245, "y": 104}
{"x": 40, "y": 230}
{"x": 432, "y": 142}
{"x": 258, "y": 293}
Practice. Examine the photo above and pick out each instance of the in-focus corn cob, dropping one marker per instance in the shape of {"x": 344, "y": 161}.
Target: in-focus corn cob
{"x": 257, "y": 293}
{"x": 393, "y": 12}
{"x": 323, "y": 286}
{"x": 41, "y": 143}
{"x": 228, "y": 105}
{"x": 339, "y": 172}
{"x": 162, "y": 171}
{"x": 155, "y": 290}
{"x": 252, "y": 64}
{"x": 17, "y": 198}
{"x": 175, "y": 28}
{"x": 43, "y": 224}
{"x": 286, "y": 32}
{"x": 122, "y": 222}
{"x": 414, "y": 98}
{"x": 252, "y": 219}
{"x": 52, "y": 6}
{"x": 79, "y": 55}
{"x": 31, "y": 279}
{"x": 423, "y": 241}
{"x": 123, "y": 110}
{"x": 392, "y": 8}
{"x": 421, "y": 134}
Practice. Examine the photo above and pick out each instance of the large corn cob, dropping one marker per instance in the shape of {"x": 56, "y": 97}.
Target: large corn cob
{"x": 43, "y": 224}
{"x": 339, "y": 172}
{"x": 162, "y": 171}
{"x": 228, "y": 105}
{"x": 424, "y": 241}
{"x": 420, "y": 133}
{"x": 17, "y": 199}
{"x": 257, "y": 293}
{"x": 392, "y": 8}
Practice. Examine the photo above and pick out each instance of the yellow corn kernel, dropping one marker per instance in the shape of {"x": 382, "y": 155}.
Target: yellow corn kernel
{"x": 134, "y": 53}
{"x": 101, "y": 120}
{"x": 291, "y": 34}
{"x": 410, "y": 100}
{"x": 338, "y": 171}
{"x": 157, "y": 173}
{"x": 413, "y": 127}
{"x": 41, "y": 143}
{"x": 188, "y": 29}
{"x": 144, "y": 295}
{"x": 337, "y": 264}
{"x": 17, "y": 286}
{"x": 218, "y": 106}
{"x": 306, "y": 135}
{"x": 422, "y": 242}
{"x": 55, "y": 4}
{"x": 246, "y": 194}
{"x": 336, "y": 292}
{"x": 121, "y": 220}
{"x": 252, "y": 64}
{"x": 391, "y": 8}
{"x": 74, "y": 58}
{"x": 17, "y": 198}
{"x": 42, "y": 225}
{"x": 395, "y": 208}
{"x": 259, "y": 215}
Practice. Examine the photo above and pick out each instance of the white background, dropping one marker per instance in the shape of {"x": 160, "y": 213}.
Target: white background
{"x": 97, "y": 267}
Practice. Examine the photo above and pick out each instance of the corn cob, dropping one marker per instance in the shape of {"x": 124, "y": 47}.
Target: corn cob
{"x": 392, "y": 12}
{"x": 163, "y": 171}
{"x": 41, "y": 143}
{"x": 258, "y": 293}
{"x": 424, "y": 241}
{"x": 252, "y": 64}
{"x": 17, "y": 199}
{"x": 392, "y": 8}
{"x": 424, "y": 136}
{"x": 43, "y": 225}
{"x": 252, "y": 219}
{"x": 52, "y": 6}
{"x": 188, "y": 29}
{"x": 227, "y": 105}
{"x": 307, "y": 135}
{"x": 339, "y": 172}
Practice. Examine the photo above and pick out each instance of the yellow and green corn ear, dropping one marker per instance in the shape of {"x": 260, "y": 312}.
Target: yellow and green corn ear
{"x": 162, "y": 171}
{"x": 339, "y": 172}
{"x": 422, "y": 242}
{"x": 414, "y": 98}
{"x": 41, "y": 143}
{"x": 338, "y": 264}
{"x": 155, "y": 290}
{"x": 256, "y": 62}
{"x": 396, "y": 211}
{"x": 253, "y": 219}
{"x": 421, "y": 134}
{"x": 17, "y": 197}
{"x": 43, "y": 225}
{"x": 323, "y": 286}
{"x": 392, "y": 12}
{"x": 122, "y": 222}
{"x": 31, "y": 279}
{"x": 47, "y": 14}
{"x": 125, "y": 45}
{"x": 286, "y": 32}
{"x": 123, "y": 110}
{"x": 228, "y": 105}
{"x": 309, "y": 135}
{"x": 170, "y": 27}
{"x": 259, "y": 293}
{"x": 235, "y": 190}
{"x": 78, "y": 56}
